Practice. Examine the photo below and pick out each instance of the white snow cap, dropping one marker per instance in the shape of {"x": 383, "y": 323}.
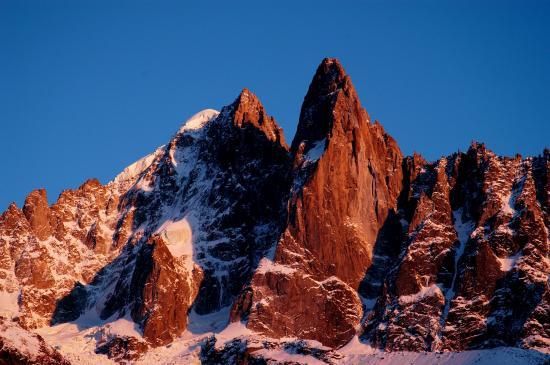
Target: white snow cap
{"x": 198, "y": 120}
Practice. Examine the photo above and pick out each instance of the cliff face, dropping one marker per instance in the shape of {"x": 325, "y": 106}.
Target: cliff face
{"x": 473, "y": 265}
{"x": 346, "y": 178}
{"x": 335, "y": 237}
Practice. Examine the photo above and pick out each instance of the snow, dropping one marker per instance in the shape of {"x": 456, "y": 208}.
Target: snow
{"x": 78, "y": 340}
{"x": 199, "y": 120}
{"x": 368, "y": 303}
{"x": 463, "y": 231}
{"x": 178, "y": 236}
{"x": 14, "y": 336}
{"x": 285, "y": 356}
{"x": 316, "y": 150}
{"x": 9, "y": 304}
{"x": 499, "y": 355}
{"x": 508, "y": 201}
{"x": 506, "y": 264}
{"x": 75, "y": 344}
{"x": 354, "y": 352}
{"x": 123, "y": 327}
{"x": 425, "y": 292}
{"x": 134, "y": 170}
{"x": 266, "y": 265}
{"x": 356, "y": 347}
{"x": 212, "y": 322}
{"x": 78, "y": 346}
{"x": 232, "y": 331}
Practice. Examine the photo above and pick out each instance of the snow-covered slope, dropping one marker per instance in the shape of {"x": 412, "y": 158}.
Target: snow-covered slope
{"x": 218, "y": 342}
{"x": 19, "y": 346}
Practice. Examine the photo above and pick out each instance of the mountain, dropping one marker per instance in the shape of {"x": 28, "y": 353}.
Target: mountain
{"x": 228, "y": 246}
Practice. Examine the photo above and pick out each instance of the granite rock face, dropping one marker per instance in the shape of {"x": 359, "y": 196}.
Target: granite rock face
{"x": 337, "y": 236}
{"x": 346, "y": 178}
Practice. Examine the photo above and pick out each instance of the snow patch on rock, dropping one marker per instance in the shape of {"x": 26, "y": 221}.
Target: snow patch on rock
{"x": 9, "y": 305}
{"x": 178, "y": 236}
{"x": 16, "y": 337}
{"x": 266, "y": 265}
{"x": 508, "y": 263}
{"x": 428, "y": 291}
{"x": 316, "y": 150}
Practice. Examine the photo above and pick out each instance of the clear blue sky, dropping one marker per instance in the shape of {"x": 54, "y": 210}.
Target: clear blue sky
{"x": 87, "y": 87}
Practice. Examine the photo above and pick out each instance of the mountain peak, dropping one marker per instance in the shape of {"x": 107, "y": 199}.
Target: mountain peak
{"x": 248, "y": 110}
{"x": 329, "y": 76}
{"x": 13, "y": 206}
{"x": 13, "y": 213}
{"x": 316, "y": 116}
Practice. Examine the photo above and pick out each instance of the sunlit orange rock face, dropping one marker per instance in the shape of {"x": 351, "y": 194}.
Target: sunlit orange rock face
{"x": 47, "y": 247}
{"x": 167, "y": 292}
{"x": 336, "y": 236}
{"x": 347, "y": 176}
{"x": 250, "y": 111}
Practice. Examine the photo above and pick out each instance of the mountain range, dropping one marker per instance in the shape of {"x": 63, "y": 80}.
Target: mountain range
{"x": 227, "y": 245}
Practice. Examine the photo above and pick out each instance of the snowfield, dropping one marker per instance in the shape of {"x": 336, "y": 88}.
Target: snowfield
{"x": 497, "y": 356}
{"x": 78, "y": 347}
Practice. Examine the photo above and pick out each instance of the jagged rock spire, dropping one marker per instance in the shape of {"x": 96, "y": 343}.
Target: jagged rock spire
{"x": 335, "y": 213}
{"x": 248, "y": 110}
{"x": 316, "y": 116}
{"x": 37, "y": 211}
